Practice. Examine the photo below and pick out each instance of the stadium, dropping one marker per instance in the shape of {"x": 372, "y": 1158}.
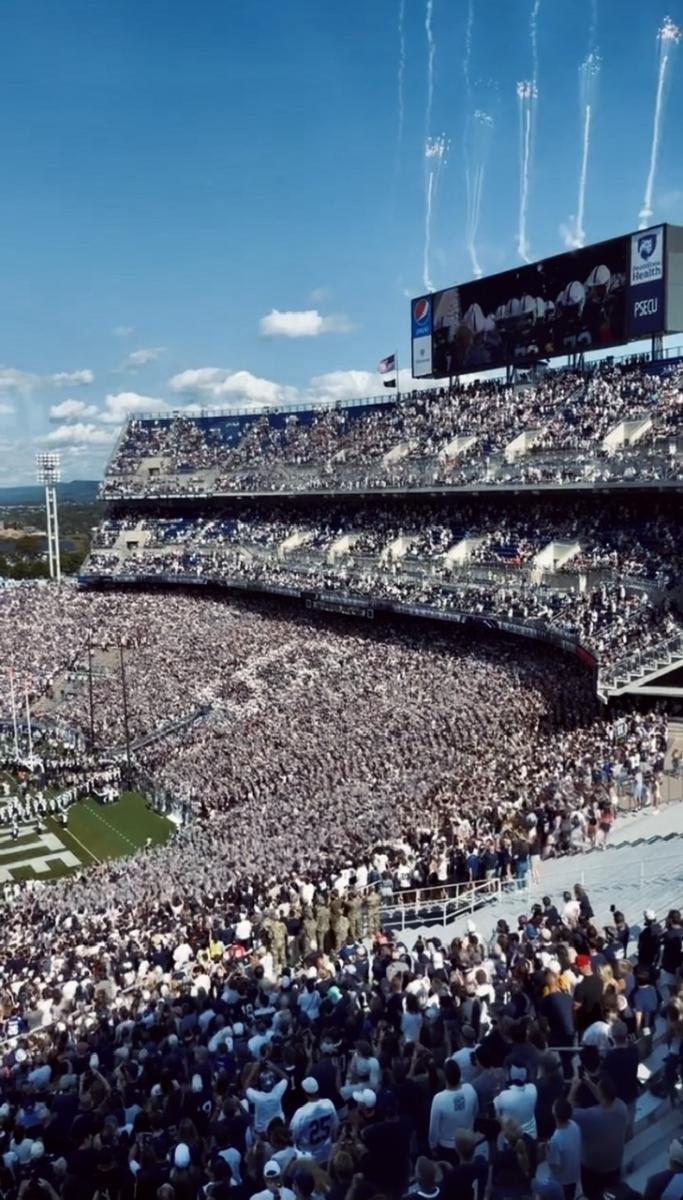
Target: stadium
{"x": 341, "y": 709}
{"x": 337, "y": 691}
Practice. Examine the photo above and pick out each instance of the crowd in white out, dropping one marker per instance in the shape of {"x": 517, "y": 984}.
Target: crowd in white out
{"x": 405, "y": 556}
{"x": 412, "y": 441}
{"x": 171, "y": 1016}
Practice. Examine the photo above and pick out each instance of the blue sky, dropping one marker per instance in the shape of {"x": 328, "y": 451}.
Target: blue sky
{"x": 176, "y": 177}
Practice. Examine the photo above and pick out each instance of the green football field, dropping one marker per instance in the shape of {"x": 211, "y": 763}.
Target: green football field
{"x": 95, "y": 832}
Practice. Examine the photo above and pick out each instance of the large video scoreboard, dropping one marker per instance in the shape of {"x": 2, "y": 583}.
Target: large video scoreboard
{"x": 592, "y": 298}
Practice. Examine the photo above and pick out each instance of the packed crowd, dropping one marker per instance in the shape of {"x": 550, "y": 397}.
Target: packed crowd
{"x": 302, "y": 1054}
{"x": 443, "y": 436}
{"x": 227, "y": 1016}
{"x": 636, "y": 543}
{"x": 223, "y": 1015}
{"x": 610, "y": 621}
{"x": 345, "y": 734}
{"x": 412, "y": 556}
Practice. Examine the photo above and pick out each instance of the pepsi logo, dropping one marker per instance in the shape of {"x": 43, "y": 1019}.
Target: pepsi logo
{"x": 421, "y": 311}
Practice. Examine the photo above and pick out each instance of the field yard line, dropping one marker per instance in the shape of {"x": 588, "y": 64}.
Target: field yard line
{"x": 80, "y": 843}
{"x": 113, "y": 828}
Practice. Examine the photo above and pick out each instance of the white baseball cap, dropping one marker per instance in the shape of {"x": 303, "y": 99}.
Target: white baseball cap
{"x": 309, "y": 1085}
{"x": 181, "y": 1158}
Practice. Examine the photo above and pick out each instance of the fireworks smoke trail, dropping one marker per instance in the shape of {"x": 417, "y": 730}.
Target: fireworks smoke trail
{"x": 668, "y": 36}
{"x": 426, "y": 276}
{"x": 593, "y": 27}
{"x": 526, "y": 95}
{"x": 583, "y": 177}
{"x": 478, "y": 146}
{"x": 468, "y": 53}
{"x": 429, "y": 11}
{"x": 401, "y": 77}
{"x": 533, "y": 32}
{"x": 435, "y": 153}
{"x": 467, "y": 132}
{"x": 431, "y": 150}
{"x": 589, "y": 72}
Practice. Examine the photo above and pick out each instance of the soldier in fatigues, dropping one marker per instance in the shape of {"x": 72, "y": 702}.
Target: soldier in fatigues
{"x": 322, "y": 922}
{"x": 310, "y": 930}
{"x": 278, "y": 944}
{"x": 268, "y": 927}
{"x": 342, "y": 929}
{"x": 373, "y": 913}
{"x": 354, "y": 910}
{"x": 336, "y": 910}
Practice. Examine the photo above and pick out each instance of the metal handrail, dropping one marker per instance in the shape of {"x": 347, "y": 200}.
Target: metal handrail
{"x": 475, "y": 896}
{"x": 422, "y": 894}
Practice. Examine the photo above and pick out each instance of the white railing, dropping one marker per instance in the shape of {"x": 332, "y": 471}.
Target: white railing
{"x": 413, "y": 907}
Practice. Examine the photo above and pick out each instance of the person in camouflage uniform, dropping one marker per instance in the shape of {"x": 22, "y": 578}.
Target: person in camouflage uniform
{"x": 322, "y": 922}
{"x": 372, "y": 911}
{"x": 310, "y": 930}
{"x": 336, "y": 913}
{"x": 354, "y": 909}
{"x": 341, "y": 931}
{"x": 278, "y": 943}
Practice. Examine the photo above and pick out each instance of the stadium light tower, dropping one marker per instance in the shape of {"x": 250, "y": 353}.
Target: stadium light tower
{"x": 49, "y": 471}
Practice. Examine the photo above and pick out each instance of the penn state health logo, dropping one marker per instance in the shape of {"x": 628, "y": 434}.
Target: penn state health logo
{"x": 647, "y": 246}
{"x": 421, "y": 310}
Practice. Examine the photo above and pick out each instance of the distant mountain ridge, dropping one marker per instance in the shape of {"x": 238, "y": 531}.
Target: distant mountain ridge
{"x": 79, "y": 491}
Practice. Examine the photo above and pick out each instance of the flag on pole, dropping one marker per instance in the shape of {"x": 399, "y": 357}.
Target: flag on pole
{"x": 389, "y": 382}
{"x": 386, "y": 365}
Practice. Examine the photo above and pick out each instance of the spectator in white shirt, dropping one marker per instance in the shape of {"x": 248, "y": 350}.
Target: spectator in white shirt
{"x": 265, "y": 1100}
{"x": 599, "y": 1034}
{"x": 272, "y": 1177}
{"x": 465, "y": 1057}
{"x": 315, "y": 1123}
{"x": 453, "y": 1109}
{"x": 518, "y": 1101}
{"x": 563, "y": 1154}
{"x": 309, "y": 1001}
{"x": 571, "y": 911}
{"x": 363, "y": 1071}
{"x": 243, "y": 928}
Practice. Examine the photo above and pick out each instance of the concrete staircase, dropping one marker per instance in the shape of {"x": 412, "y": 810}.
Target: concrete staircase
{"x": 656, "y": 1123}
{"x": 646, "y": 872}
{"x": 629, "y": 676}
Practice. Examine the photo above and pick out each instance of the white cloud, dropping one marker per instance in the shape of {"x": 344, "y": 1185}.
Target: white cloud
{"x": 344, "y": 385}
{"x": 6, "y": 409}
{"x": 122, "y": 331}
{"x": 72, "y": 408}
{"x": 356, "y": 385}
{"x": 216, "y": 387}
{"x": 71, "y": 378}
{"x": 79, "y": 434}
{"x": 119, "y": 406}
{"x": 302, "y": 324}
{"x": 140, "y": 358}
{"x": 14, "y": 380}
{"x": 236, "y": 388}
